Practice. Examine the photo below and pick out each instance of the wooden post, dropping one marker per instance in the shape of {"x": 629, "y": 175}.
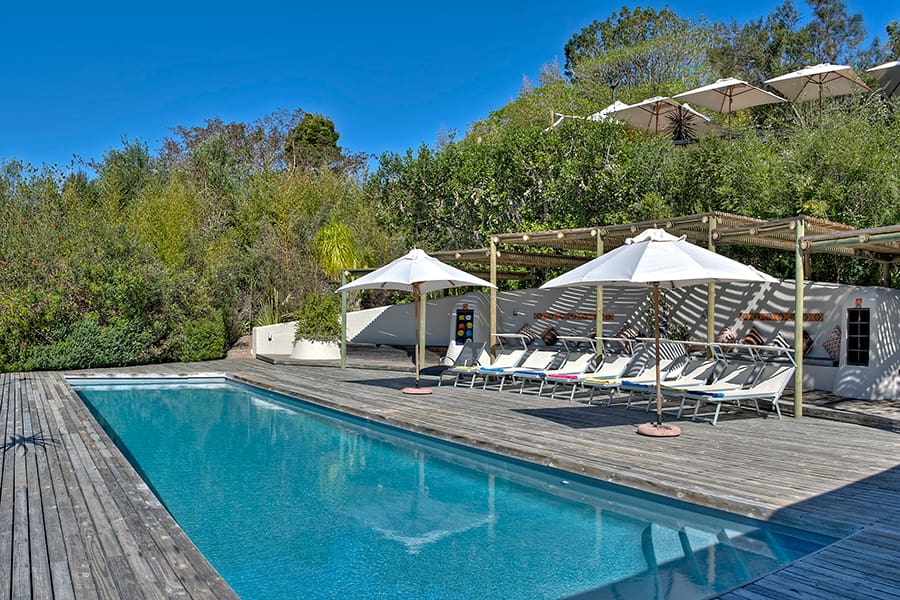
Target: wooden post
{"x": 493, "y": 316}
{"x": 599, "y": 334}
{"x": 344, "y": 321}
{"x": 798, "y": 320}
{"x": 711, "y": 287}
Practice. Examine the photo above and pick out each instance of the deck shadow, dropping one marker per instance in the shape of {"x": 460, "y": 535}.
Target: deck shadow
{"x": 584, "y": 417}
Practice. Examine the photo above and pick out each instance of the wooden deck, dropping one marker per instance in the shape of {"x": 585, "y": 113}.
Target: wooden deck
{"x": 76, "y": 521}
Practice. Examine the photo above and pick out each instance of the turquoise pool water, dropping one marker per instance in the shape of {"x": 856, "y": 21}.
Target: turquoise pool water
{"x": 289, "y": 500}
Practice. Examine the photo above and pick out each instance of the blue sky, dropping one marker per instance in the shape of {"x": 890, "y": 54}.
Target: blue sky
{"x": 79, "y": 77}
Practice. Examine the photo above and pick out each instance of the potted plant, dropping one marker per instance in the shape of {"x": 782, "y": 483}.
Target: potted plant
{"x": 318, "y": 328}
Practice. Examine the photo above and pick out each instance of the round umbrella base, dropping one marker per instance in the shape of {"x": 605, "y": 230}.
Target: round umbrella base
{"x": 659, "y": 430}
{"x": 416, "y": 390}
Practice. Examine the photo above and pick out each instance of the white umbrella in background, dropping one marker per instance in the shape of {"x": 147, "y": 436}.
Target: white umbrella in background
{"x": 658, "y": 114}
{"x": 418, "y": 273}
{"x": 658, "y": 259}
{"x": 608, "y": 113}
{"x": 728, "y": 95}
{"x": 888, "y": 75}
{"x": 820, "y": 81}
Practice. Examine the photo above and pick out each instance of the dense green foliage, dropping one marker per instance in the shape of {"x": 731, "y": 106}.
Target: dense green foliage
{"x": 144, "y": 257}
{"x": 170, "y": 257}
{"x": 317, "y": 318}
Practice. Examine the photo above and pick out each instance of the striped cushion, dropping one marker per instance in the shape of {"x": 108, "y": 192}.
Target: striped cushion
{"x": 753, "y": 337}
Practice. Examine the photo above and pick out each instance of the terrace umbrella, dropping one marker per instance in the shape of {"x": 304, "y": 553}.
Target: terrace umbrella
{"x": 728, "y": 95}
{"x": 821, "y": 81}
{"x": 418, "y": 273}
{"x": 888, "y": 75}
{"x": 606, "y": 114}
{"x": 659, "y": 113}
{"x": 657, "y": 259}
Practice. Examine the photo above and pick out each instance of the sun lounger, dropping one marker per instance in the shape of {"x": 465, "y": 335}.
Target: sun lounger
{"x": 770, "y": 384}
{"x": 471, "y": 356}
{"x": 613, "y": 365}
{"x": 539, "y": 358}
{"x": 671, "y": 356}
{"x": 573, "y": 363}
{"x": 511, "y": 352}
{"x": 697, "y": 370}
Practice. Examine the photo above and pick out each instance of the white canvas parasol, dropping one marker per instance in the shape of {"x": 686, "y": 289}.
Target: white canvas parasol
{"x": 657, "y": 115}
{"x": 658, "y": 259}
{"x": 888, "y": 75}
{"x": 728, "y": 95}
{"x": 607, "y": 114}
{"x": 820, "y": 81}
{"x": 419, "y": 273}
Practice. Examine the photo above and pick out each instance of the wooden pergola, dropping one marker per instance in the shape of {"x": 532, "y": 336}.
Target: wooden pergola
{"x": 802, "y": 235}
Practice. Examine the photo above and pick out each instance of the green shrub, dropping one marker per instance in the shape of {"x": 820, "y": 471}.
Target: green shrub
{"x": 203, "y": 339}
{"x": 318, "y": 318}
{"x": 87, "y": 344}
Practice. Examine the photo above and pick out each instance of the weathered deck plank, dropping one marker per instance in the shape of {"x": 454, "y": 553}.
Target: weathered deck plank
{"x": 104, "y": 535}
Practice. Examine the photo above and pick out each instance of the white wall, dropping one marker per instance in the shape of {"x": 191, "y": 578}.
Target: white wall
{"x": 273, "y": 339}
{"x": 880, "y": 379}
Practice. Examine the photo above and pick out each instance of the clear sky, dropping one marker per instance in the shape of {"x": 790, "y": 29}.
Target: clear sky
{"x": 78, "y": 77}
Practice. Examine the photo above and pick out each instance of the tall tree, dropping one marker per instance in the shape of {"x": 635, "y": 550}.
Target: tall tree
{"x": 834, "y": 34}
{"x": 893, "y": 31}
{"x": 646, "y": 50}
{"x": 761, "y": 48}
{"x": 312, "y": 143}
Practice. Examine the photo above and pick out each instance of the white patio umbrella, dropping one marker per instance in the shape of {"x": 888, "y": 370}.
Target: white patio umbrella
{"x": 728, "y": 95}
{"x": 658, "y": 259}
{"x": 607, "y": 114}
{"x": 418, "y": 273}
{"x": 888, "y": 75}
{"x": 658, "y": 113}
{"x": 821, "y": 81}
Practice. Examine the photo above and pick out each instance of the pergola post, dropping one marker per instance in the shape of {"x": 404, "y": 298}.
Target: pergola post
{"x": 710, "y": 287}
{"x": 344, "y": 321}
{"x": 798, "y": 319}
{"x": 599, "y": 326}
{"x": 493, "y": 291}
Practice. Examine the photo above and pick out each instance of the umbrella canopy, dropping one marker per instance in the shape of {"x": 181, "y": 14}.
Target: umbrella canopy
{"x": 728, "y": 95}
{"x": 888, "y": 75}
{"x": 608, "y": 112}
{"x": 419, "y": 273}
{"x": 658, "y": 259}
{"x": 820, "y": 81}
{"x": 659, "y": 114}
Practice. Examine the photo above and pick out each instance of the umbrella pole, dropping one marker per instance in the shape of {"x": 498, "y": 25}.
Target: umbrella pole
{"x": 416, "y": 389}
{"x": 416, "y": 302}
{"x": 658, "y": 378}
{"x": 657, "y": 429}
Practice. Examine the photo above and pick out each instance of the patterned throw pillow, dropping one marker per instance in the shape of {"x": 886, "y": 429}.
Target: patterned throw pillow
{"x": 526, "y": 331}
{"x": 832, "y": 345}
{"x": 549, "y": 336}
{"x": 753, "y": 337}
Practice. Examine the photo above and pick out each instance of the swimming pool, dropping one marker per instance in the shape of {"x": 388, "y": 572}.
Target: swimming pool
{"x": 287, "y": 499}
